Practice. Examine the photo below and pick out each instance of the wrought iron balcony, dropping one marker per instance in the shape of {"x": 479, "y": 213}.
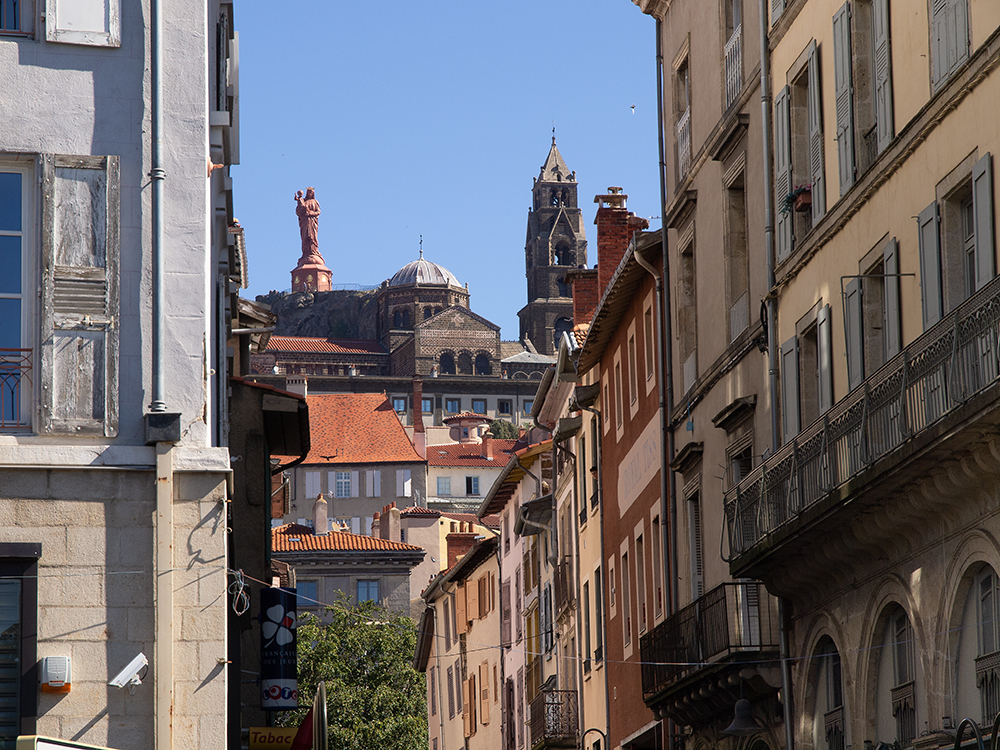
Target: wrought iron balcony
{"x": 554, "y": 719}
{"x": 730, "y": 620}
{"x": 902, "y": 407}
{"x": 15, "y": 386}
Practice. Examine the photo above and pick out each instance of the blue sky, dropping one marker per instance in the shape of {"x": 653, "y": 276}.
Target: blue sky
{"x": 432, "y": 118}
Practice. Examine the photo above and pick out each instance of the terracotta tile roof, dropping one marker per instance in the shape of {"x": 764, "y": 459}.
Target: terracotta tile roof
{"x": 333, "y": 346}
{"x": 295, "y": 538}
{"x": 490, "y": 522}
{"x": 470, "y": 454}
{"x": 416, "y": 510}
{"x": 356, "y": 428}
{"x": 466, "y": 415}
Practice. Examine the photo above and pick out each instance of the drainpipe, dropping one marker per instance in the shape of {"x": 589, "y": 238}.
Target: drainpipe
{"x": 667, "y": 357}
{"x": 157, "y": 175}
{"x": 665, "y": 364}
{"x": 772, "y": 368}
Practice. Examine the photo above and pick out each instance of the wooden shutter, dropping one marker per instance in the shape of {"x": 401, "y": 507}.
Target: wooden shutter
{"x": 844, "y": 91}
{"x": 891, "y": 317}
{"x": 471, "y": 699}
{"x": 824, "y": 345}
{"x": 505, "y": 614}
{"x": 354, "y": 484}
{"x": 451, "y": 693}
{"x": 484, "y": 693}
{"x": 777, "y": 6}
{"x": 854, "y": 334}
{"x": 79, "y": 321}
{"x": 816, "y": 145}
{"x": 883, "y": 74}
{"x": 90, "y": 22}
{"x": 982, "y": 220}
{"x": 790, "y": 388}
{"x": 939, "y": 47}
{"x": 462, "y": 625}
{"x": 471, "y": 600}
{"x": 782, "y": 173}
{"x": 466, "y": 710}
{"x": 930, "y": 265}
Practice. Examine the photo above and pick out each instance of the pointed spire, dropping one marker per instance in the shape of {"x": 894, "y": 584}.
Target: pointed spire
{"x": 555, "y": 169}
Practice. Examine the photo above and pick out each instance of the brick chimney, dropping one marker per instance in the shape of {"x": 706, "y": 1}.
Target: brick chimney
{"x": 419, "y": 436}
{"x": 459, "y": 543}
{"x": 585, "y": 296}
{"x": 321, "y": 524}
{"x": 488, "y": 445}
{"x": 297, "y": 384}
{"x": 615, "y": 227}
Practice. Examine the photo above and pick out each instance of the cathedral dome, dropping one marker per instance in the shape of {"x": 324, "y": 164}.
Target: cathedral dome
{"x": 422, "y": 271}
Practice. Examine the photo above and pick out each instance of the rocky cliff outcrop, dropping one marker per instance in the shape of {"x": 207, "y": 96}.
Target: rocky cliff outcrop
{"x": 342, "y": 314}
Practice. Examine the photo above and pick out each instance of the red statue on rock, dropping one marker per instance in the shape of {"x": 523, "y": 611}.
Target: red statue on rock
{"x": 311, "y": 273}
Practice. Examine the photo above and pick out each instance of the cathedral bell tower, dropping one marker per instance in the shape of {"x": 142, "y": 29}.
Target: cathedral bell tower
{"x": 556, "y": 243}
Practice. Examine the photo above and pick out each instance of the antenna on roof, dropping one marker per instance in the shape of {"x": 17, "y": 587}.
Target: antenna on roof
{"x": 553, "y": 133}
{"x": 421, "y": 246}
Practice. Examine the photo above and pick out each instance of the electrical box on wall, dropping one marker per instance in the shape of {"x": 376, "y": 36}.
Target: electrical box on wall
{"x": 57, "y": 674}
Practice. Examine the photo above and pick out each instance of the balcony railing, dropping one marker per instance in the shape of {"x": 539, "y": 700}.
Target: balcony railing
{"x": 734, "y": 66}
{"x": 15, "y": 374}
{"x": 937, "y": 373}
{"x": 554, "y": 719}
{"x": 684, "y": 143}
{"x": 730, "y": 619}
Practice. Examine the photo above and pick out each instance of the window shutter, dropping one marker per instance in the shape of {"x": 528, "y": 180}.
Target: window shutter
{"x": 782, "y": 173}
{"x": 466, "y": 710}
{"x": 854, "y": 335}
{"x": 90, "y": 22}
{"x": 939, "y": 44}
{"x": 369, "y": 483}
{"x": 472, "y": 698}
{"x": 982, "y": 220}
{"x": 505, "y": 614}
{"x": 824, "y": 343}
{"x": 472, "y": 600}
{"x": 484, "y": 690}
{"x": 312, "y": 483}
{"x": 891, "y": 320}
{"x": 462, "y": 620}
{"x": 378, "y": 483}
{"x": 930, "y": 265}
{"x": 790, "y": 388}
{"x": 79, "y": 322}
{"x": 958, "y": 37}
{"x": 356, "y": 525}
{"x": 777, "y": 6}
{"x": 354, "y": 484}
{"x": 843, "y": 86}
{"x": 816, "y": 168}
{"x": 883, "y": 74}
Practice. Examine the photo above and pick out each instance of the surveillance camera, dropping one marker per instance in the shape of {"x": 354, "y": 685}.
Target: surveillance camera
{"x": 130, "y": 675}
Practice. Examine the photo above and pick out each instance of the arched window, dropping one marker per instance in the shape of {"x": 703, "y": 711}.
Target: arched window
{"x": 565, "y": 255}
{"x": 896, "y": 691}
{"x": 406, "y": 318}
{"x": 830, "y": 725}
{"x": 437, "y": 310}
{"x": 427, "y": 313}
{"x": 483, "y": 365}
{"x": 563, "y": 287}
{"x": 397, "y": 319}
{"x": 977, "y": 681}
{"x": 447, "y": 362}
{"x": 464, "y": 363}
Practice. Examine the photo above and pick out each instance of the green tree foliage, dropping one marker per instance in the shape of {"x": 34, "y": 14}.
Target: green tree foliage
{"x": 503, "y": 430}
{"x": 375, "y": 699}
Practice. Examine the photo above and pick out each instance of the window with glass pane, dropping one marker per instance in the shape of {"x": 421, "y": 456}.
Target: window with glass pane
{"x": 452, "y": 405}
{"x": 444, "y": 485}
{"x": 343, "y": 483}
{"x": 368, "y": 591}
{"x": 479, "y": 405}
{"x": 306, "y": 594}
{"x": 472, "y": 485}
{"x": 14, "y": 360}
{"x": 10, "y": 660}
{"x": 427, "y": 405}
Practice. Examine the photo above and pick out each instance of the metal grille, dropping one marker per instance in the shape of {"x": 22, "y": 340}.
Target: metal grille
{"x": 554, "y": 717}
{"x": 937, "y": 373}
{"x": 729, "y": 619}
{"x": 734, "y": 66}
{"x": 15, "y": 366}
{"x": 988, "y": 682}
{"x": 905, "y": 711}
{"x": 684, "y": 143}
